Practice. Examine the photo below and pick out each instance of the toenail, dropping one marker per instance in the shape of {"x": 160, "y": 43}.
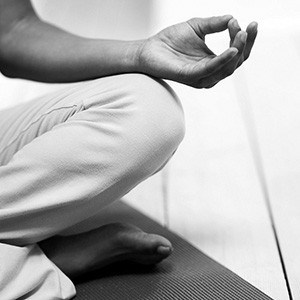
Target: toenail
{"x": 163, "y": 250}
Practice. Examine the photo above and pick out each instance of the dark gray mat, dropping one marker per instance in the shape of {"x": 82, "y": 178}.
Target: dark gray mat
{"x": 186, "y": 274}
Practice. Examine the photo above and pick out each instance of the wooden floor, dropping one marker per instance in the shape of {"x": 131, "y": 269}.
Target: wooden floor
{"x": 233, "y": 187}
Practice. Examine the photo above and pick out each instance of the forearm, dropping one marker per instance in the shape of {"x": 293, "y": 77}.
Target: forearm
{"x": 39, "y": 51}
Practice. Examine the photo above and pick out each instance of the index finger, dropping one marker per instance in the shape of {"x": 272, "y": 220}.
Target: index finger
{"x": 213, "y": 24}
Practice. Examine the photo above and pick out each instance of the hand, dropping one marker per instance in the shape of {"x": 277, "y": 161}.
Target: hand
{"x": 179, "y": 52}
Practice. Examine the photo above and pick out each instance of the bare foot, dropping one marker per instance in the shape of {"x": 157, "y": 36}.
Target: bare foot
{"x": 78, "y": 254}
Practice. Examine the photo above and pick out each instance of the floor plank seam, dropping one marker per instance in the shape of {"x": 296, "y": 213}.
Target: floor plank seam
{"x": 252, "y": 135}
{"x": 282, "y": 264}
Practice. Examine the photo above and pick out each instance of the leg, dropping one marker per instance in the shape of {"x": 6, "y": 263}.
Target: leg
{"x": 126, "y": 128}
{"x": 113, "y": 133}
{"x": 113, "y": 242}
{"x": 26, "y": 273}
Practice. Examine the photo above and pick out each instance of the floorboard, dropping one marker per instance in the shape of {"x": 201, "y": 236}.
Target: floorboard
{"x": 276, "y": 110}
{"x": 215, "y": 199}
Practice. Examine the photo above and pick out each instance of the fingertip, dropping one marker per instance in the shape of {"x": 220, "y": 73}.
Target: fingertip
{"x": 231, "y": 22}
{"x": 243, "y": 36}
{"x": 236, "y": 25}
{"x": 233, "y": 51}
{"x": 227, "y": 17}
{"x": 252, "y": 31}
{"x": 227, "y": 56}
{"x": 254, "y": 24}
{"x": 252, "y": 27}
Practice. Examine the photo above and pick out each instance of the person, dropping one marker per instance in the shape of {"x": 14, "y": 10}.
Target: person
{"x": 67, "y": 155}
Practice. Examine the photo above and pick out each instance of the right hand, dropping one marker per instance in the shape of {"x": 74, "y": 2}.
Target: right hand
{"x": 179, "y": 52}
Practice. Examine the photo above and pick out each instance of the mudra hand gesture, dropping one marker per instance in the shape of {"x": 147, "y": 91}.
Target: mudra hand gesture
{"x": 179, "y": 52}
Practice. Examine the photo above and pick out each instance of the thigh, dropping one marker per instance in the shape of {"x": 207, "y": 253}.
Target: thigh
{"x": 67, "y": 155}
{"x": 22, "y": 123}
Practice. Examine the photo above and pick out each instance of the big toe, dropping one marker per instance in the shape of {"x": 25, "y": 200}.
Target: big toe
{"x": 157, "y": 244}
{"x": 145, "y": 248}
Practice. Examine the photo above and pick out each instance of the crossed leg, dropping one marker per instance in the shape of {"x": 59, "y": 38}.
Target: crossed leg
{"x": 67, "y": 155}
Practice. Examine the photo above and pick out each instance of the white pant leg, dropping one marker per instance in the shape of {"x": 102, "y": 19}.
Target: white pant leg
{"x": 112, "y": 133}
{"x": 26, "y": 273}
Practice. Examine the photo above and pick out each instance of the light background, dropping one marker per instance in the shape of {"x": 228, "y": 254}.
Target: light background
{"x": 211, "y": 192}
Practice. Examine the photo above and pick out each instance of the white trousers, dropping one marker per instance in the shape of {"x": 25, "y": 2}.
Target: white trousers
{"x": 65, "y": 156}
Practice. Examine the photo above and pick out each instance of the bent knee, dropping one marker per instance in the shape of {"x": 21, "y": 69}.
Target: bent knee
{"x": 158, "y": 115}
{"x": 146, "y": 114}
{"x": 145, "y": 102}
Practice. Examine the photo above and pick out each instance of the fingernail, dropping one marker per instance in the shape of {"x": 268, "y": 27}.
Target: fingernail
{"x": 233, "y": 22}
{"x": 234, "y": 51}
{"x": 227, "y": 16}
{"x": 244, "y": 37}
{"x": 236, "y": 24}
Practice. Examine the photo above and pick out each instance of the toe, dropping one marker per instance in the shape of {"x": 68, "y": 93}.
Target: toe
{"x": 139, "y": 246}
{"x": 164, "y": 251}
{"x": 158, "y": 243}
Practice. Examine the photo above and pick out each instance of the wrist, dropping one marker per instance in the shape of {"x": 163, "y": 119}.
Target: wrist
{"x": 132, "y": 59}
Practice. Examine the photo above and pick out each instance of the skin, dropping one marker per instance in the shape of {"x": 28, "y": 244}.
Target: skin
{"x": 179, "y": 52}
{"x": 33, "y": 49}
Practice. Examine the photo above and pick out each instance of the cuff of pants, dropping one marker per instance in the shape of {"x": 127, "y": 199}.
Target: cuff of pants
{"x": 26, "y": 272}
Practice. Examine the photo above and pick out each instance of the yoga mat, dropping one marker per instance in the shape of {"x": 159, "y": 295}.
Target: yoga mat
{"x": 186, "y": 274}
